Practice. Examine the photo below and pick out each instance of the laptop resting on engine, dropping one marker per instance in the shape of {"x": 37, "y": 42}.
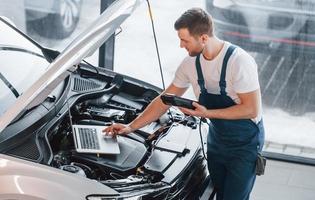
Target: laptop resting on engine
{"x": 90, "y": 139}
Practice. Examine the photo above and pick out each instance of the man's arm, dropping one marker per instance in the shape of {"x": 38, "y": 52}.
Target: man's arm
{"x": 155, "y": 109}
{"x": 152, "y": 112}
{"x": 247, "y": 109}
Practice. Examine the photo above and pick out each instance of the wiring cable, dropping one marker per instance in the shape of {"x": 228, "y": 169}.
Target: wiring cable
{"x": 200, "y": 134}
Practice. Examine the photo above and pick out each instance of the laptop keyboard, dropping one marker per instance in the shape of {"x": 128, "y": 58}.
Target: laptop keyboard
{"x": 88, "y": 138}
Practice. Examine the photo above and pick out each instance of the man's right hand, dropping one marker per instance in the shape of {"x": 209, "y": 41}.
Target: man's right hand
{"x": 117, "y": 129}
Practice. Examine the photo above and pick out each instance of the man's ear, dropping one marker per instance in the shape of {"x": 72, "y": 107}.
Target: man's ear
{"x": 204, "y": 38}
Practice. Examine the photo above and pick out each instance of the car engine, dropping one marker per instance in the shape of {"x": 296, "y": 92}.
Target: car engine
{"x": 135, "y": 148}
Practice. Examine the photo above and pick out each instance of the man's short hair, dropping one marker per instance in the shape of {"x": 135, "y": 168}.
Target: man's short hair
{"x": 197, "y": 21}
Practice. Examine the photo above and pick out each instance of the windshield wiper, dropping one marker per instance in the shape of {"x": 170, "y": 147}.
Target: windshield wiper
{"x": 13, "y": 48}
{"x": 2, "y": 77}
{"x": 49, "y": 54}
{"x": 9, "y": 85}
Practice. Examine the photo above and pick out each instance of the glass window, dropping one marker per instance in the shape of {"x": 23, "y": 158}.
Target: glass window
{"x": 280, "y": 35}
{"x": 52, "y": 23}
{"x": 135, "y": 44}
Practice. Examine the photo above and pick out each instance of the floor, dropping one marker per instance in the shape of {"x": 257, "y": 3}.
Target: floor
{"x": 285, "y": 181}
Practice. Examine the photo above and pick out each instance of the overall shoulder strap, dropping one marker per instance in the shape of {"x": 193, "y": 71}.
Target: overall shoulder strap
{"x": 226, "y": 58}
{"x": 201, "y": 81}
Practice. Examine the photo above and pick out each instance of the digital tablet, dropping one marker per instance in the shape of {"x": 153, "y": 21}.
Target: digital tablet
{"x": 173, "y": 100}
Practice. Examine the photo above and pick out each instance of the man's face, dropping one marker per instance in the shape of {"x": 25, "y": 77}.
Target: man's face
{"x": 192, "y": 44}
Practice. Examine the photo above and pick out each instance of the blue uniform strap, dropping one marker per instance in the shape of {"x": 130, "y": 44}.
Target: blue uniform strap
{"x": 227, "y": 56}
{"x": 201, "y": 81}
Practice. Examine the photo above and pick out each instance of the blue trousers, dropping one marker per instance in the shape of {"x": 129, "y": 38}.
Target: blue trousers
{"x": 232, "y": 168}
{"x": 233, "y": 178}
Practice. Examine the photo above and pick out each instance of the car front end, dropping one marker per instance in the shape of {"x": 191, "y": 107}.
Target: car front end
{"x": 46, "y": 92}
{"x": 163, "y": 160}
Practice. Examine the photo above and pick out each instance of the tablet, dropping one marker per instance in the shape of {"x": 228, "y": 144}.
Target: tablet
{"x": 173, "y": 100}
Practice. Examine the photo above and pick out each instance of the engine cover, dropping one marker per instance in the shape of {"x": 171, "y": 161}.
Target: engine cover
{"x": 131, "y": 154}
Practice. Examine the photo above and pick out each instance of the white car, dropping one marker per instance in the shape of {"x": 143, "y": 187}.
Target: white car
{"x": 278, "y": 26}
{"x": 45, "y": 93}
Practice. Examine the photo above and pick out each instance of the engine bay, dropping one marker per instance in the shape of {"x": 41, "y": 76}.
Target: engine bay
{"x": 158, "y": 160}
{"x": 131, "y": 165}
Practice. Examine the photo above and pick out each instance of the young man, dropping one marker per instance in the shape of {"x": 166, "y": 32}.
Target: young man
{"x": 225, "y": 80}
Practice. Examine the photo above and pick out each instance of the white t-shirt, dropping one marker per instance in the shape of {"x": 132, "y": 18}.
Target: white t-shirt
{"x": 241, "y": 74}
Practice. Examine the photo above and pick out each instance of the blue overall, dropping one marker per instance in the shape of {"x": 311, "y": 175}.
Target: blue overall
{"x": 232, "y": 145}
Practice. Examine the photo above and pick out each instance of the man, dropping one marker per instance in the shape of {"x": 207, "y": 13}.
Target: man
{"x": 225, "y": 79}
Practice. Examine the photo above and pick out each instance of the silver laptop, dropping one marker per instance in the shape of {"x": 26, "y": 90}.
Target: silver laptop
{"x": 90, "y": 139}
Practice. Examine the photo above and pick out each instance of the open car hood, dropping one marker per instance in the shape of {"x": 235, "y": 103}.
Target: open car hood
{"x": 83, "y": 46}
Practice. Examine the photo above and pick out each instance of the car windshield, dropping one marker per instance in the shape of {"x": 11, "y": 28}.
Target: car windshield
{"x": 20, "y": 67}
